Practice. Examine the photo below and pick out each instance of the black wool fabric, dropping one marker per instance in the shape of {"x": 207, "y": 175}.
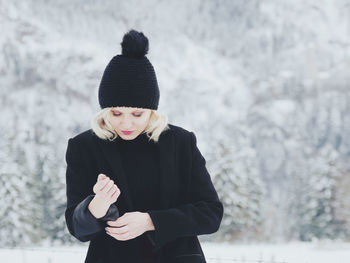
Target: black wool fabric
{"x": 129, "y": 79}
{"x": 141, "y": 167}
{"x": 129, "y": 82}
{"x": 188, "y": 202}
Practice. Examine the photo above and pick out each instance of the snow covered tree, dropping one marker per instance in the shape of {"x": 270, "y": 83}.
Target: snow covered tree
{"x": 233, "y": 166}
{"x": 313, "y": 206}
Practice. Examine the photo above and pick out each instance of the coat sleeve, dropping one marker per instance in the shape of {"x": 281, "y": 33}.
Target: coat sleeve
{"x": 201, "y": 215}
{"x": 80, "y": 222}
{"x": 85, "y": 225}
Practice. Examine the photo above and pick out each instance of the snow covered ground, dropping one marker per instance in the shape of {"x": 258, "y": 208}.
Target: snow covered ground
{"x": 320, "y": 252}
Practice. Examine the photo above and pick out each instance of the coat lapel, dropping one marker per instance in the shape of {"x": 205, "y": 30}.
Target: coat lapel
{"x": 167, "y": 169}
{"x": 167, "y": 165}
{"x": 112, "y": 154}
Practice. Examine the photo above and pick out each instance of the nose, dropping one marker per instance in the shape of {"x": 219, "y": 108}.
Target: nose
{"x": 126, "y": 123}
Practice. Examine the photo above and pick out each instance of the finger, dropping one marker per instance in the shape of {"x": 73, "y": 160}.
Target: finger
{"x": 122, "y": 237}
{"x": 99, "y": 184}
{"x": 102, "y": 184}
{"x": 117, "y": 223}
{"x": 115, "y": 194}
{"x": 101, "y": 177}
{"x": 108, "y": 186}
{"x": 117, "y": 230}
{"x": 111, "y": 223}
{"x": 112, "y": 190}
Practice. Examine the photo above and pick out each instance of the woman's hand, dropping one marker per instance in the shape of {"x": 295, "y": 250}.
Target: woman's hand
{"x": 106, "y": 193}
{"x": 130, "y": 225}
{"x": 106, "y": 190}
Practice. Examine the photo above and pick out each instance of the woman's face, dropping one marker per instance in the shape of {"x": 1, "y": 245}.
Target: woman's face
{"x": 125, "y": 119}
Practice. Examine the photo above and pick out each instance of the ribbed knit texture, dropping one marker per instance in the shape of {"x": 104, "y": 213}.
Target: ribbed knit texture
{"x": 140, "y": 163}
{"x": 129, "y": 82}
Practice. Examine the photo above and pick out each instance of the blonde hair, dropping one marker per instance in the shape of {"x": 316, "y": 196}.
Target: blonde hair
{"x": 102, "y": 127}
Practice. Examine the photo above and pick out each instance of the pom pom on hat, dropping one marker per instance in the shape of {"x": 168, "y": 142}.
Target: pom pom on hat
{"x": 134, "y": 44}
{"x": 129, "y": 79}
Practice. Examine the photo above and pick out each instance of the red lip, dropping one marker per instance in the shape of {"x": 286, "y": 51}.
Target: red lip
{"x": 127, "y": 132}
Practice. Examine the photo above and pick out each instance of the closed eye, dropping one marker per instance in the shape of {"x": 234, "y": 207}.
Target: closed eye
{"x": 135, "y": 115}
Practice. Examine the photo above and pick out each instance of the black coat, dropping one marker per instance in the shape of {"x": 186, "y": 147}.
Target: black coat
{"x": 189, "y": 202}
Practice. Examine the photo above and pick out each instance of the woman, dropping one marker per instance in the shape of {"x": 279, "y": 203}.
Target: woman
{"x": 137, "y": 187}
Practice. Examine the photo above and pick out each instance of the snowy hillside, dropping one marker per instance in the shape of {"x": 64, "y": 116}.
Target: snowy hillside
{"x": 263, "y": 84}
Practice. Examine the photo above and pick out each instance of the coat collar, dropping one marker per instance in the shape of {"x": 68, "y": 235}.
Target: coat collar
{"x": 168, "y": 181}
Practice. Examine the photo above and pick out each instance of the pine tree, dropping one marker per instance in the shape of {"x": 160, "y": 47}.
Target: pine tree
{"x": 313, "y": 207}
{"x": 233, "y": 165}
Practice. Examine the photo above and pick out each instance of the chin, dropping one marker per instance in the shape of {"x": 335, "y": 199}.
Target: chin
{"x": 127, "y": 139}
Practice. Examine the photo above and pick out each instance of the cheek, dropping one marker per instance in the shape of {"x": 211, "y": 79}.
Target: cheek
{"x": 141, "y": 122}
{"x": 114, "y": 122}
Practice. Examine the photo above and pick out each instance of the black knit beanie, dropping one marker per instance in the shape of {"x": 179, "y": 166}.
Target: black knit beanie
{"x": 129, "y": 79}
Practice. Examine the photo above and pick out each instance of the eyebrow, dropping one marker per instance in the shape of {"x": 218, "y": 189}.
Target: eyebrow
{"x": 131, "y": 112}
